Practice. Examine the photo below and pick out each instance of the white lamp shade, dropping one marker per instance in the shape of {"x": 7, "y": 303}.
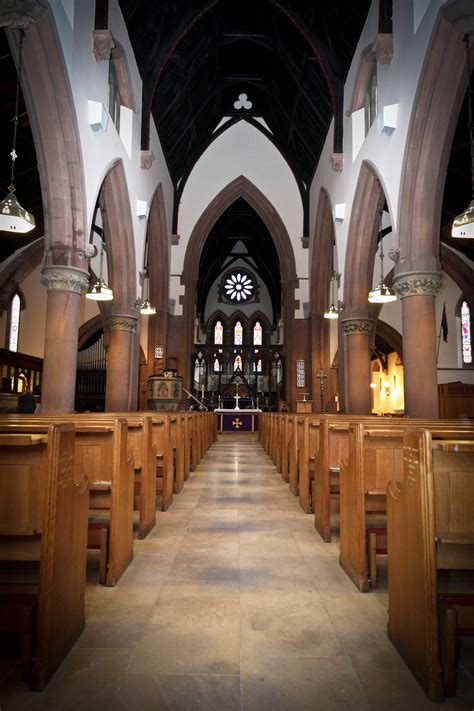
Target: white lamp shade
{"x": 463, "y": 225}
{"x": 13, "y": 217}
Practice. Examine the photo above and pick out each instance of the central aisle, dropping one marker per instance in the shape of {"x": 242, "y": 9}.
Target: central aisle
{"x": 234, "y": 602}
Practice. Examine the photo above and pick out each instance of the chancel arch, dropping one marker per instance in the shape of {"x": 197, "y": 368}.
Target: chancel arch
{"x": 241, "y": 189}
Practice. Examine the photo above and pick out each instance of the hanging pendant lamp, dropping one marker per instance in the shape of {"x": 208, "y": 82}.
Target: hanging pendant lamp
{"x": 14, "y": 217}
{"x": 147, "y": 308}
{"x": 382, "y": 294}
{"x": 100, "y": 291}
{"x": 333, "y": 311}
{"x": 463, "y": 224}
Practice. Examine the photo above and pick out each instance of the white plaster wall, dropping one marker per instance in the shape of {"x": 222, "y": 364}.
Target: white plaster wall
{"x": 241, "y": 150}
{"x": 449, "y": 356}
{"x": 89, "y": 80}
{"x": 397, "y": 83}
{"x": 33, "y": 317}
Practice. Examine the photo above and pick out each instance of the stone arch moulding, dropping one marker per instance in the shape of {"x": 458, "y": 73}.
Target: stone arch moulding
{"x": 241, "y": 187}
{"x": 89, "y": 328}
{"x": 321, "y": 262}
{"x": 460, "y": 272}
{"x": 391, "y": 336}
{"x": 434, "y": 115}
{"x": 157, "y": 258}
{"x": 18, "y": 269}
{"x": 50, "y": 105}
{"x": 362, "y": 242}
{"x": 114, "y": 201}
{"x": 356, "y": 328}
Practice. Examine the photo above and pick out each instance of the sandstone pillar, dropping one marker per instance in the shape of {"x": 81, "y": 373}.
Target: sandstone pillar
{"x": 417, "y": 291}
{"x": 64, "y": 285}
{"x": 357, "y": 334}
{"x": 122, "y": 373}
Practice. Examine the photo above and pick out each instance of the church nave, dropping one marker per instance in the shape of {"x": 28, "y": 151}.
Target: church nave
{"x": 233, "y": 602}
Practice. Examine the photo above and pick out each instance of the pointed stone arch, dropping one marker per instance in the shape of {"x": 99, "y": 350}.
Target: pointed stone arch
{"x": 48, "y": 97}
{"x": 356, "y": 328}
{"x": 321, "y": 258}
{"x": 434, "y": 115}
{"x": 121, "y": 316}
{"x": 241, "y": 187}
{"x": 158, "y": 258}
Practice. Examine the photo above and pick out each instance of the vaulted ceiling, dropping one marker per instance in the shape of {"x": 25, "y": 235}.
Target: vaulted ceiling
{"x": 290, "y": 59}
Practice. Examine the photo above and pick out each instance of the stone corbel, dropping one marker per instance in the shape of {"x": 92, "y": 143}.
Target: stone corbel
{"x": 102, "y": 44}
{"x": 383, "y": 48}
{"x": 21, "y": 13}
{"x": 146, "y": 159}
{"x": 337, "y": 162}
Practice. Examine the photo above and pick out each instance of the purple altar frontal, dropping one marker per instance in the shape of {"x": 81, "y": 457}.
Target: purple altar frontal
{"x": 237, "y": 420}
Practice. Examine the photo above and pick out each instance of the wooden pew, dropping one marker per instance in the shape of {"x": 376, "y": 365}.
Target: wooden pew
{"x": 43, "y": 535}
{"x": 101, "y": 455}
{"x": 375, "y": 457}
{"x": 430, "y": 540}
{"x": 333, "y": 448}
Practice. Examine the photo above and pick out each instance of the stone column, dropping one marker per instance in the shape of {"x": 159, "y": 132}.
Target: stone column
{"x": 417, "y": 291}
{"x": 357, "y": 336}
{"x": 121, "y": 388}
{"x": 64, "y": 285}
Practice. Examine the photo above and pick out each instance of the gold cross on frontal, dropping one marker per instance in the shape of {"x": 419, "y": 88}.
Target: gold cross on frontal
{"x": 237, "y": 423}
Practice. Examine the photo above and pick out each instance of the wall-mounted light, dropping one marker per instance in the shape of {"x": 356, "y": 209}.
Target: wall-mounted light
{"x": 387, "y": 384}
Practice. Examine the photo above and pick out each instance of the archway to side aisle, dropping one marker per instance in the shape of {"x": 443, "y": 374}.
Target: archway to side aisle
{"x": 435, "y": 112}
{"x": 182, "y": 328}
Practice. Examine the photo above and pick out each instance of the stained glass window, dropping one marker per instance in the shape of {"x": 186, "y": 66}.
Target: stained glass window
{"x": 14, "y": 323}
{"x": 238, "y": 334}
{"x": 238, "y": 363}
{"x": 218, "y": 333}
{"x": 238, "y": 287}
{"x": 466, "y": 333}
{"x": 259, "y": 365}
{"x": 257, "y": 334}
{"x": 217, "y": 365}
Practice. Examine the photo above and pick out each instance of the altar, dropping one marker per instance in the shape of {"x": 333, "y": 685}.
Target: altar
{"x": 233, "y": 420}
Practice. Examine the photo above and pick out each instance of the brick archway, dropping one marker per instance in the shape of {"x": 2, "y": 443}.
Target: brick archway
{"x": 241, "y": 187}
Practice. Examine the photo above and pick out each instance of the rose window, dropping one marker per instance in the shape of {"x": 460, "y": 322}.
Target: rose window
{"x": 238, "y": 287}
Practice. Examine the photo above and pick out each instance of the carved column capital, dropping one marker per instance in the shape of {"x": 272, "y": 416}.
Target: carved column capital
{"x": 102, "y": 44}
{"x": 351, "y": 326}
{"x": 422, "y": 283}
{"x": 121, "y": 322}
{"x": 21, "y": 13}
{"x": 59, "y": 278}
